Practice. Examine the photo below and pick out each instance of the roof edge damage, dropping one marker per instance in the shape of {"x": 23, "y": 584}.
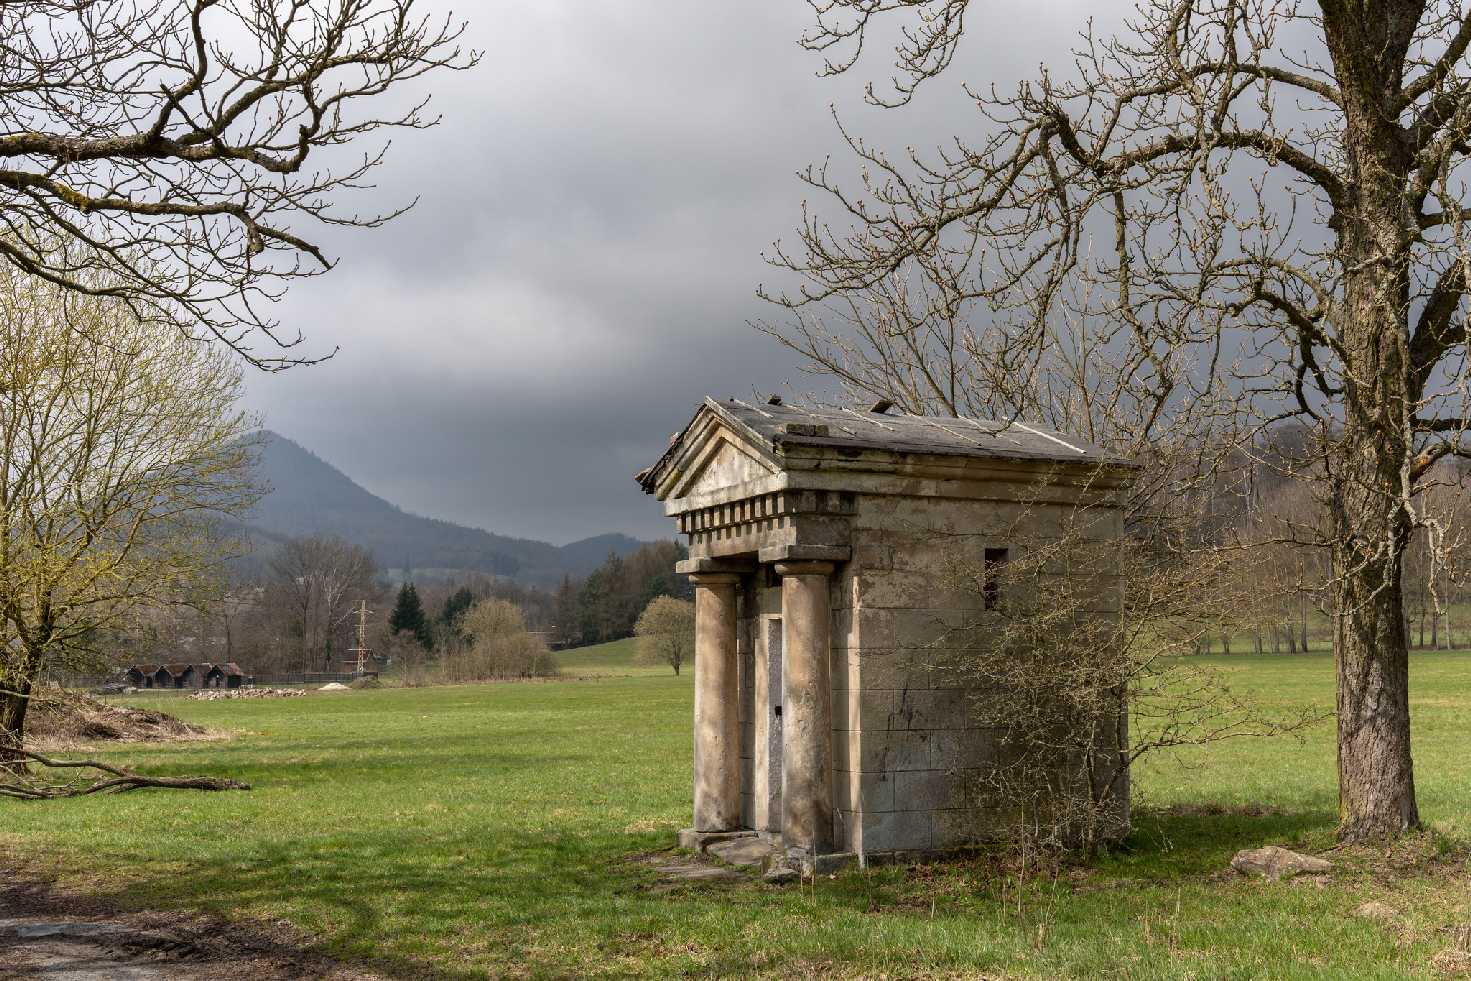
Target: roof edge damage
{"x": 776, "y": 430}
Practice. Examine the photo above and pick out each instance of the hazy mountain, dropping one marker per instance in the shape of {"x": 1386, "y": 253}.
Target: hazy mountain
{"x": 309, "y": 496}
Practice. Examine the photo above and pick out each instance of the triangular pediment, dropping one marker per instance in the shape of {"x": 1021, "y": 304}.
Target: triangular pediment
{"x": 716, "y": 460}
{"x": 719, "y": 463}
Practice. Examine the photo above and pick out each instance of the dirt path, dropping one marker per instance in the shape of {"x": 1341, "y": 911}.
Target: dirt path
{"x": 47, "y": 934}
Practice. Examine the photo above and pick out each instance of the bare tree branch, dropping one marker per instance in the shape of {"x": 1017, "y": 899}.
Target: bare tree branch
{"x": 157, "y": 153}
{"x": 1193, "y": 237}
{"x": 118, "y": 780}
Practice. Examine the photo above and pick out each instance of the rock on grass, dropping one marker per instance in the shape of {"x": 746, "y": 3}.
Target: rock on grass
{"x": 1276, "y": 862}
{"x": 1376, "y": 911}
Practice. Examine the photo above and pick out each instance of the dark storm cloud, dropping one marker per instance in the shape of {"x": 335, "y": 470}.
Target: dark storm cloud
{"x": 581, "y": 266}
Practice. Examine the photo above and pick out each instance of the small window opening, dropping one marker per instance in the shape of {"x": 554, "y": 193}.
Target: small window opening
{"x": 994, "y": 559}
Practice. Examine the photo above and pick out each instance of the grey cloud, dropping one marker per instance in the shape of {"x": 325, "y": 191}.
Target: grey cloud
{"x": 582, "y": 264}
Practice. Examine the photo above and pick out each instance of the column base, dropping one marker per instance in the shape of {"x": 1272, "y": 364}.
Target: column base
{"x": 698, "y": 841}
{"x": 826, "y": 863}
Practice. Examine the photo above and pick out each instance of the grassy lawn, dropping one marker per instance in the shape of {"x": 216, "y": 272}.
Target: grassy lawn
{"x": 486, "y": 831}
{"x": 615, "y": 659}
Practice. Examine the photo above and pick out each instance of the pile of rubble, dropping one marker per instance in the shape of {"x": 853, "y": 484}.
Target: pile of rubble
{"x": 59, "y": 719}
{"x": 215, "y": 694}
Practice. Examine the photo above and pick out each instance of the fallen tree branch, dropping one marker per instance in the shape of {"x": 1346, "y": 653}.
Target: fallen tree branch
{"x": 119, "y": 780}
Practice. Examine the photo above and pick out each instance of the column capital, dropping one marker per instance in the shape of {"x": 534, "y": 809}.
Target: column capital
{"x": 709, "y": 579}
{"x": 804, "y": 568}
{"x": 806, "y": 553}
{"x": 697, "y": 567}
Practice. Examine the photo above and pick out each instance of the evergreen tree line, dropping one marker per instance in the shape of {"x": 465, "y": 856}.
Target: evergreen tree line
{"x": 601, "y": 607}
{"x": 606, "y": 605}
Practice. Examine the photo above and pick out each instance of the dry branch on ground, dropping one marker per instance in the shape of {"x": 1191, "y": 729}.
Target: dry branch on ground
{"x": 118, "y": 780}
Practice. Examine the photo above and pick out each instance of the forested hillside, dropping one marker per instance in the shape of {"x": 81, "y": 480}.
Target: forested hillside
{"x": 308, "y": 496}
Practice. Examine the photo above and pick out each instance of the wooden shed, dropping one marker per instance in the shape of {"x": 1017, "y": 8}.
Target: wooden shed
{"x": 227, "y": 675}
{"x": 176, "y": 676}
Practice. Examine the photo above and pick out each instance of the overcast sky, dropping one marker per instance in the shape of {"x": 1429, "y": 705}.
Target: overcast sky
{"x": 582, "y": 265}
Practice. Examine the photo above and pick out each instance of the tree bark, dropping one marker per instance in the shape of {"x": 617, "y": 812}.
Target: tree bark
{"x": 1375, "y": 771}
{"x": 13, "y": 706}
{"x": 1371, "y": 480}
{"x": 1372, "y": 529}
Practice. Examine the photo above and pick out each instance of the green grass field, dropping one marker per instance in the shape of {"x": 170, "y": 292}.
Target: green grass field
{"x": 616, "y": 659}
{"x": 467, "y": 832}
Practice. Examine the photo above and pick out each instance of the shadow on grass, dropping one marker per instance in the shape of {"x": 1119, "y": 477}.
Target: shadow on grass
{"x": 1200, "y": 838}
{"x": 309, "y": 767}
{"x": 376, "y": 903}
{"x": 520, "y": 902}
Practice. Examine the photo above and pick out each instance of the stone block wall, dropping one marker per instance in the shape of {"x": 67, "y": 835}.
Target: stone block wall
{"x": 909, "y": 732}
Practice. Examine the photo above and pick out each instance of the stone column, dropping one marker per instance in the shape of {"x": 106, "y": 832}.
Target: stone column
{"x": 717, "y": 719}
{"x": 807, "y": 709}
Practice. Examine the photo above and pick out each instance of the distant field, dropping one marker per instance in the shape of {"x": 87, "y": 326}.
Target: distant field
{"x": 1455, "y": 631}
{"x": 618, "y": 658}
{"x": 487, "y": 831}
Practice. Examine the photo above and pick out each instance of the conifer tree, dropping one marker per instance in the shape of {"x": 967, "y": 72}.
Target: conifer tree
{"x": 408, "y": 615}
{"x": 456, "y": 606}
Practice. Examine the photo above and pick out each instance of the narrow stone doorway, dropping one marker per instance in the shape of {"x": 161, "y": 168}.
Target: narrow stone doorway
{"x": 772, "y": 626}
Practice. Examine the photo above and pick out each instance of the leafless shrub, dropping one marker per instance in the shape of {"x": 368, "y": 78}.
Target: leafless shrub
{"x": 1082, "y": 666}
{"x": 666, "y": 632}
{"x": 498, "y": 647}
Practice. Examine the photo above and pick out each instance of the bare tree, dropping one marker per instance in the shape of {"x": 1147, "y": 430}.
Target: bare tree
{"x": 1235, "y": 214}
{"x": 666, "y": 632}
{"x": 316, "y": 583}
{"x": 1435, "y": 565}
{"x": 1083, "y": 651}
{"x": 1292, "y": 574}
{"x": 118, "y": 458}
{"x": 172, "y": 140}
{"x": 497, "y": 645}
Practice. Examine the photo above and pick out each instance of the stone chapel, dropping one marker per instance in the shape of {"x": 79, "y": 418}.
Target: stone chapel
{"x": 819, "y": 723}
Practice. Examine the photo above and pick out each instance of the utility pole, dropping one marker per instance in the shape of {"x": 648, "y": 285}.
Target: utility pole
{"x": 362, "y": 650}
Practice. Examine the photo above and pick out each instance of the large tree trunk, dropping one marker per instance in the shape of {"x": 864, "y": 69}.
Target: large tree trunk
{"x": 13, "y": 706}
{"x": 1370, "y": 468}
{"x": 1376, "y": 781}
{"x": 1372, "y": 529}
